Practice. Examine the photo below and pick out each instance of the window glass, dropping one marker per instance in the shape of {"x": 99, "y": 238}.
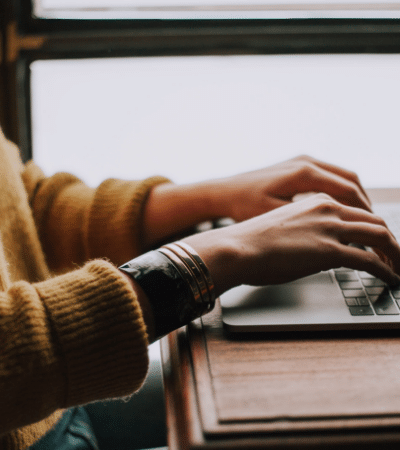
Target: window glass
{"x": 214, "y": 9}
{"x": 193, "y": 118}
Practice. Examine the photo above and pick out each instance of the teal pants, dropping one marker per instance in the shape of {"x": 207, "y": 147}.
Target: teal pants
{"x": 119, "y": 424}
{"x": 73, "y": 431}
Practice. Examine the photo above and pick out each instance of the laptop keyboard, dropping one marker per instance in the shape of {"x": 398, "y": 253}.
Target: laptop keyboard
{"x": 364, "y": 294}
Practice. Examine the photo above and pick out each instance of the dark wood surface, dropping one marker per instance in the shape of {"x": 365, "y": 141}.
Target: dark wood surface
{"x": 326, "y": 390}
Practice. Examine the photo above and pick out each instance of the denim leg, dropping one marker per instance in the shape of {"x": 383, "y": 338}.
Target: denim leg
{"x": 138, "y": 423}
{"x": 73, "y": 432}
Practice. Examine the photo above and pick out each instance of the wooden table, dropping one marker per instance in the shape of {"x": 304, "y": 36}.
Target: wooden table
{"x": 305, "y": 391}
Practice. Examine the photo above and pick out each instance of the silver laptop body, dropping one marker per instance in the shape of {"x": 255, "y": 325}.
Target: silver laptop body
{"x": 340, "y": 299}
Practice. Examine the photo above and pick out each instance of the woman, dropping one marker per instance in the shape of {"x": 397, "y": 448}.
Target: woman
{"x": 74, "y": 328}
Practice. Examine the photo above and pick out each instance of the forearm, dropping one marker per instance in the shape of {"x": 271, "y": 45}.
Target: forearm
{"x": 174, "y": 209}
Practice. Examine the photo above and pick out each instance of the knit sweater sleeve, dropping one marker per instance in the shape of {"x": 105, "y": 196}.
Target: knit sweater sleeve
{"x": 76, "y": 223}
{"x": 69, "y": 340}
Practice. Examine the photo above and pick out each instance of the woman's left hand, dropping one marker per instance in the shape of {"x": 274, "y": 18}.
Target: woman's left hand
{"x": 172, "y": 209}
{"x": 251, "y": 194}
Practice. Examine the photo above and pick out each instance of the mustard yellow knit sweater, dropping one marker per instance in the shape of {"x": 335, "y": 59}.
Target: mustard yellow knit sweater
{"x": 79, "y": 336}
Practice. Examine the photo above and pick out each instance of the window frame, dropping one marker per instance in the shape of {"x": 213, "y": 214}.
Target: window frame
{"x": 40, "y": 39}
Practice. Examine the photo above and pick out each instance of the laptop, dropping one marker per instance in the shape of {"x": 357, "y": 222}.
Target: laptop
{"x": 339, "y": 299}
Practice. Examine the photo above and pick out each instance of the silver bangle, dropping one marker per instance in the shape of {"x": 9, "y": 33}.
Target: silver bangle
{"x": 185, "y": 272}
{"x": 194, "y": 268}
{"x": 199, "y": 270}
{"x": 168, "y": 292}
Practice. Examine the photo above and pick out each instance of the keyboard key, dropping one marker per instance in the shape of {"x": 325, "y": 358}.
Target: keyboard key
{"x": 373, "y": 282}
{"x": 353, "y": 293}
{"x": 384, "y": 305}
{"x": 346, "y": 276}
{"x": 365, "y": 275}
{"x": 395, "y": 292}
{"x": 352, "y": 301}
{"x": 375, "y": 290}
{"x": 361, "y": 311}
{"x": 363, "y": 301}
{"x": 350, "y": 285}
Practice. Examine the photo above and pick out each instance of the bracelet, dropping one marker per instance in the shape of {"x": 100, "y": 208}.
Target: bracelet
{"x": 204, "y": 271}
{"x": 175, "y": 284}
{"x": 195, "y": 273}
{"x": 185, "y": 273}
{"x": 199, "y": 271}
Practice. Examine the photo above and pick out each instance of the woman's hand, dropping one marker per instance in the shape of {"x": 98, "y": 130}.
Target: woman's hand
{"x": 297, "y": 240}
{"x": 172, "y": 209}
{"x": 251, "y": 194}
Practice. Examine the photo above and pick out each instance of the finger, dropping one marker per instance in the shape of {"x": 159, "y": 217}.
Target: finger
{"x": 357, "y": 259}
{"x": 351, "y": 214}
{"x": 375, "y": 236}
{"x": 273, "y": 203}
{"x": 344, "y": 173}
{"x": 319, "y": 180}
{"x": 383, "y": 257}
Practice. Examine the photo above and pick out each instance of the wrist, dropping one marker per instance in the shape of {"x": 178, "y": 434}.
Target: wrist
{"x": 219, "y": 252}
{"x": 174, "y": 285}
{"x": 174, "y": 209}
{"x": 218, "y": 194}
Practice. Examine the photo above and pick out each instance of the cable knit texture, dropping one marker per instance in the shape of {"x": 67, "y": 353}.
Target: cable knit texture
{"x": 71, "y": 330}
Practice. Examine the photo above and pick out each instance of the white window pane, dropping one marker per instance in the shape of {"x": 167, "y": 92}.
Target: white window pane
{"x": 192, "y": 118}
{"x": 215, "y": 9}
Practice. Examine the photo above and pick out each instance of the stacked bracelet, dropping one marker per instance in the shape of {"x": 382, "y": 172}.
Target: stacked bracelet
{"x": 198, "y": 273}
{"x": 177, "y": 284}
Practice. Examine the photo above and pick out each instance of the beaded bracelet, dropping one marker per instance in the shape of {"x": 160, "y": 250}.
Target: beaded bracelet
{"x": 177, "y": 284}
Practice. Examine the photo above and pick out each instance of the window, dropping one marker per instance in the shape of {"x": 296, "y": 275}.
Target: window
{"x": 50, "y": 30}
{"x": 320, "y": 86}
{"x": 198, "y": 117}
{"x": 266, "y": 59}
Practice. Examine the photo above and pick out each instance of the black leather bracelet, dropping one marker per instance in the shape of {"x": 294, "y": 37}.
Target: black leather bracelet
{"x": 169, "y": 294}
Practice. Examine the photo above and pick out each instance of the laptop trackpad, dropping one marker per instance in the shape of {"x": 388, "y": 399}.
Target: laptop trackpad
{"x": 306, "y": 302}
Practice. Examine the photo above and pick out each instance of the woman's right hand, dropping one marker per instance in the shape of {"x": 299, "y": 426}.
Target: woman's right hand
{"x": 296, "y": 240}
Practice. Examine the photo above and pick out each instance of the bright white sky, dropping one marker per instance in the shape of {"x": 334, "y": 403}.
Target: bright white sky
{"x": 193, "y": 118}
{"x": 216, "y": 9}
{"x": 114, "y": 4}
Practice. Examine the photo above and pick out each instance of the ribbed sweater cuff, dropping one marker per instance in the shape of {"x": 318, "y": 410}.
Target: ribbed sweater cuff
{"x": 100, "y": 329}
{"x": 115, "y": 223}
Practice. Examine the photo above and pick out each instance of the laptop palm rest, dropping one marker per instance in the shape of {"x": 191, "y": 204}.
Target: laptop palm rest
{"x": 311, "y": 303}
